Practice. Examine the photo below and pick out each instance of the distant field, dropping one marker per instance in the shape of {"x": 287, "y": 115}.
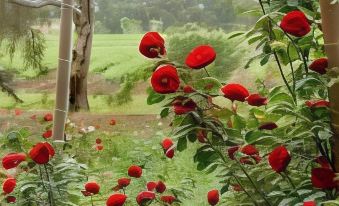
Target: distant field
{"x": 112, "y": 55}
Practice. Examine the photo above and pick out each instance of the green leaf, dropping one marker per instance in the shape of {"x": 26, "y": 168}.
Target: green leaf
{"x": 208, "y": 85}
{"x": 236, "y": 34}
{"x": 164, "y": 113}
{"x": 281, "y": 98}
{"x": 154, "y": 98}
{"x": 182, "y": 144}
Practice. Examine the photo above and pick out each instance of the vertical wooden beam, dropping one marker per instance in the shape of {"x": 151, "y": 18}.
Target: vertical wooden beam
{"x": 64, "y": 70}
{"x": 330, "y": 27}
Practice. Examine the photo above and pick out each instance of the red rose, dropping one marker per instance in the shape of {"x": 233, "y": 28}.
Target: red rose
{"x": 167, "y": 143}
{"x": 202, "y": 136}
{"x": 310, "y": 203}
{"x": 124, "y": 182}
{"x": 256, "y": 100}
{"x": 183, "y": 105}
{"x": 48, "y": 117}
{"x": 170, "y": 153}
{"x": 92, "y": 187}
{"x": 249, "y": 150}
{"x": 268, "y": 126}
{"x": 295, "y": 23}
{"x": 47, "y": 134}
{"x": 317, "y": 103}
{"x": 98, "y": 141}
{"x": 112, "y": 122}
{"x": 99, "y": 147}
{"x": 323, "y": 162}
{"x": 144, "y": 197}
{"x": 116, "y": 200}
{"x": 12, "y": 160}
{"x": 151, "y": 186}
{"x": 134, "y": 171}
{"x": 10, "y": 199}
{"x": 161, "y": 187}
{"x": 18, "y": 112}
{"x": 200, "y": 57}
{"x": 231, "y": 151}
{"x": 323, "y": 178}
{"x": 8, "y": 185}
{"x": 152, "y": 45}
{"x": 169, "y": 199}
{"x": 213, "y": 197}
{"x": 279, "y": 159}
{"x": 42, "y": 152}
{"x": 235, "y": 92}
{"x": 165, "y": 79}
{"x": 188, "y": 89}
{"x": 319, "y": 65}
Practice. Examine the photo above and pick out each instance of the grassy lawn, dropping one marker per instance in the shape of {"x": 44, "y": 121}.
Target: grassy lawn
{"x": 112, "y": 55}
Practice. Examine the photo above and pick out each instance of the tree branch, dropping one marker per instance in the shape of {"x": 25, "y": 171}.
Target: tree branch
{"x": 41, "y": 3}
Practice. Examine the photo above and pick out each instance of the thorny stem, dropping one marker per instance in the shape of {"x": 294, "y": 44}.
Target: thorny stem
{"x": 246, "y": 192}
{"x": 50, "y": 192}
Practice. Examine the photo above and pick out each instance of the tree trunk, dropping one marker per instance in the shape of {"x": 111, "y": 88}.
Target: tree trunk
{"x": 84, "y": 24}
{"x": 330, "y": 26}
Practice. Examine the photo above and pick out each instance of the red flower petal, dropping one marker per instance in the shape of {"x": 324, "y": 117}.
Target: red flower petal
{"x": 41, "y": 153}
{"x": 134, "y": 171}
{"x": 202, "y": 136}
{"x": 317, "y": 103}
{"x": 323, "y": 162}
{"x": 152, "y": 45}
{"x": 183, "y": 105}
{"x": 116, "y": 200}
{"x": 249, "y": 150}
{"x": 47, "y": 134}
{"x": 124, "y": 182}
{"x": 213, "y": 197}
{"x": 92, "y": 187}
{"x": 8, "y": 185}
{"x": 319, "y": 65}
{"x": 188, "y": 89}
{"x": 167, "y": 199}
{"x": 323, "y": 178}
{"x": 165, "y": 79}
{"x": 235, "y": 92}
{"x": 13, "y": 160}
{"x": 279, "y": 159}
{"x": 98, "y": 141}
{"x": 151, "y": 186}
{"x": 268, "y": 126}
{"x": 170, "y": 153}
{"x": 256, "y": 100}
{"x": 144, "y": 197}
{"x": 200, "y": 57}
{"x": 10, "y": 199}
{"x": 310, "y": 203}
{"x": 166, "y": 143}
{"x": 48, "y": 117}
{"x": 161, "y": 187}
{"x": 295, "y": 23}
{"x": 231, "y": 151}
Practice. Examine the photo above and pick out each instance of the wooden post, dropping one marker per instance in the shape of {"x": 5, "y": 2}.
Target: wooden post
{"x": 330, "y": 27}
{"x": 64, "y": 70}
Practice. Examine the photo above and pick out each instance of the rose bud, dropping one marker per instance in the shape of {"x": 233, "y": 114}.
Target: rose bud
{"x": 169, "y": 199}
{"x": 170, "y": 153}
{"x": 183, "y": 105}
{"x": 231, "y": 151}
{"x": 323, "y": 178}
{"x": 295, "y": 23}
{"x": 279, "y": 159}
{"x": 268, "y": 126}
{"x": 12, "y": 160}
{"x": 10, "y": 199}
{"x": 161, "y": 187}
{"x": 47, "y": 134}
{"x": 134, "y": 171}
{"x": 48, "y": 117}
{"x": 202, "y": 136}
{"x": 151, "y": 186}
{"x": 200, "y": 57}
{"x": 152, "y": 45}
{"x": 319, "y": 65}
{"x": 256, "y": 100}
{"x": 8, "y": 185}
{"x": 323, "y": 162}
{"x": 165, "y": 79}
{"x": 98, "y": 141}
{"x": 92, "y": 187}
{"x": 167, "y": 143}
{"x": 188, "y": 89}
{"x": 145, "y": 197}
{"x": 213, "y": 197}
{"x": 112, "y": 122}
{"x": 42, "y": 152}
{"x": 235, "y": 92}
{"x": 310, "y": 203}
{"x": 124, "y": 182}
{"x": 317, "y": 103}
{"x": 116, "y": 200}
{"x": 99, "y": 147}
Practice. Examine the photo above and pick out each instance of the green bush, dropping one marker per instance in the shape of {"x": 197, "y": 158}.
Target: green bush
{"x": 182, "y": 40}
{"x": 131, "y": 26}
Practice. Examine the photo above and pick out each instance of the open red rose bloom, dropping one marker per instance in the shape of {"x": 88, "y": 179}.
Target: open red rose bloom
{"x": 12, "y": 160}
{"x": 279, "y": 159}
{"x": 295, "y": 23}
{"x": 152, "y": 45}
{"x": 165, "y": 79}
{"x": 319, "y": 65}
{"x": 200, "y": 57}
{"x": 42, "y": 152}
{"x": 235, "y": 92}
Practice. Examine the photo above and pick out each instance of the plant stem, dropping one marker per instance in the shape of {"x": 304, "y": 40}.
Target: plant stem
{"x": 92, "y": 201}
{"x": 207, "y": 72}
{"x": 243, "y": 188}
{"x": 289, "y": 180}
{"x": 50, "y": 193}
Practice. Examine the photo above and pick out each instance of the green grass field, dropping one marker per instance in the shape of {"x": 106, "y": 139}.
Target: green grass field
{"x": 112, "y": 55}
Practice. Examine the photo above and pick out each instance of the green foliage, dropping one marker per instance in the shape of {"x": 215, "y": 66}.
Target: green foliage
{"x": 130, "y": 26}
